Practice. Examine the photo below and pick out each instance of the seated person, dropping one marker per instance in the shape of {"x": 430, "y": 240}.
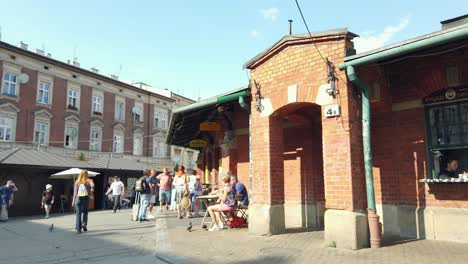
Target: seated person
{"x": 240, "y": 190}
{"x": 450, "y": 170}
{"x": 227, "y": 204}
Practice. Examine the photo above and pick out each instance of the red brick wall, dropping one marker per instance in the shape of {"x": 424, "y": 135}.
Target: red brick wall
{"x": 301, "y": 64}
{"x": 398, "y": 137}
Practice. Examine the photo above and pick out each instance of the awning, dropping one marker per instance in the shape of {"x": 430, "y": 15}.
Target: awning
{"x": 119, "y": 163}
{"x": 71, "y": 174}
{"x": 185, "y": 122}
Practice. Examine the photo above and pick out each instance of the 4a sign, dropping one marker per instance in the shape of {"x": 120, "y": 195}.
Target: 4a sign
{"x": 198, "y": 143}
{"x": 209, "y": 126}
{"x": 332, "y": 110}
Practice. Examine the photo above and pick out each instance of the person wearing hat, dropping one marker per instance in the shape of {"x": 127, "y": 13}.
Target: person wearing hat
{"x": 47, "y": 200}
{"x": 6, "y": 199}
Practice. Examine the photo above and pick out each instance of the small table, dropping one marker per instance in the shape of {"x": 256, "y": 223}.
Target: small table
{"x": 207, "y": 199}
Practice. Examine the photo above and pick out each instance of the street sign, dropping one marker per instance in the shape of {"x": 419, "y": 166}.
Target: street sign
{"x": 331, "y": 110}
{"x": 198, "y": 143}
{"x": 209, "y": 126}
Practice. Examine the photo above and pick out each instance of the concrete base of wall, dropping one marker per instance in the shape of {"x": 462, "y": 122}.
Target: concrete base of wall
{"x": 304, "y": 216}
{"x": 348, "y": 230}
{"x": 424, "y": 223}
{"x": 265, "y": 220}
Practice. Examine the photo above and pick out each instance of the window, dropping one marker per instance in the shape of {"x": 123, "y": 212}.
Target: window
{"x": 447, "y": 129}
{"x": 137, "y": 144}
{"x": 191, "y": 162}
{"x": 6, "y": 128}
{"x": 159, "y": 148}
{"x": 9, "y": 84}
{"x": 97, "y": 104}
{"x": 119, "y": 109}
{"x": 118, "y": 143}
{"x": 71, "y": 136}
{"x": 41, "y": 133}
{"x": 43, "y": 93}
{"x": 138, "y": 113}
{"x": 73, "y": 98}
{"x": 160, "y": 119}
{"x": 95, "y": 139}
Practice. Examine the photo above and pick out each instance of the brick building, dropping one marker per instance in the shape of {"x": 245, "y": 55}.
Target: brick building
{"x": 65, "y": 110}
{"x": 307, "y": 135}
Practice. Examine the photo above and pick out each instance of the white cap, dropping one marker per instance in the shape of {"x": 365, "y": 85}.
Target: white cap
{"x": 48, "y": 186}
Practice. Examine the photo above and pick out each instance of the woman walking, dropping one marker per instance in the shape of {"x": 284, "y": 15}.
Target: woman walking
{"x": 181, "y": 189}
{"x": 82, "y": 189}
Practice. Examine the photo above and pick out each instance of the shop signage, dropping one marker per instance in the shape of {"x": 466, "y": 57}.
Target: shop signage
{"x": 332, "y": 110}
{"x": 198, "y": 143}
{"x": 447, "y": 95}
{"x": 209, "y": 126}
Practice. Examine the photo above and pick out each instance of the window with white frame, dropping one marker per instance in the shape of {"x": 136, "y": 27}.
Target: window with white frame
{"x": 7, "y": 128}
{"x": 160, "y": 119}
{"x": 159, "y": 148}
{"x": 71, "y": 136}
{"x": 118, "y": 142}
{"x": 95, "y": 139}
{"x": 137, "y": 144}
{"x": 190, "y": 161}
{"x": 97, "y": 103}
{"x": 10, "y": 83}
{"x": 43, "y": 92}
{"x": 119, "y": 109}
{"x": 73, "y": 98}
{"x": 41, "y": 132}
{"x": 138, "y": 113}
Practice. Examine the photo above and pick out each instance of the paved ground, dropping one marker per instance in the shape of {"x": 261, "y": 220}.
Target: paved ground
{"x": 113, "y": 238}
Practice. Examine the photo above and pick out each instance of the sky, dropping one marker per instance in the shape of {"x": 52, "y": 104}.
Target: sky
{"x": 197, "y": 48}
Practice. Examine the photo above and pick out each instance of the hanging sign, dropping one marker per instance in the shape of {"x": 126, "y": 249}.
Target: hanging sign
{"x": 209, "y": 126}
{"x": 331, "y": 110}
{"x": 198, "y": 143}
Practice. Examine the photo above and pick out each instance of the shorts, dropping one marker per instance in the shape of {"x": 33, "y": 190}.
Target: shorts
{"x": 153, "y": 199}
{"x": 225, "y": 207}
{"x": 165, "y": 196}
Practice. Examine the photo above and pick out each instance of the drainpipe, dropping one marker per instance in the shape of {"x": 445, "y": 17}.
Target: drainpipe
{"x": 373, "y": 218}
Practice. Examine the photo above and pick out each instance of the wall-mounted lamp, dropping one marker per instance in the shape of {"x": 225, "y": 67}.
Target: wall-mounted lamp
{"x": 258, "y": 98}
{"x": 331, "y": 78}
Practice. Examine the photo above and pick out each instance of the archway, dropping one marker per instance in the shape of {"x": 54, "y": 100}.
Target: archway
{"x": 297, "y": 164}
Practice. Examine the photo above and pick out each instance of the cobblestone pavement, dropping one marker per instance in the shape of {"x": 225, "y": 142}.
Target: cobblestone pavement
{"x": 113, "y": 238}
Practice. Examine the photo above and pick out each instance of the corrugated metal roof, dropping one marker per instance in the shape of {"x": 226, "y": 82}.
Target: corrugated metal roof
{"x": 116, "y": 163}
{"x": 331, "y": 32}
{"x": 33, "y": 157}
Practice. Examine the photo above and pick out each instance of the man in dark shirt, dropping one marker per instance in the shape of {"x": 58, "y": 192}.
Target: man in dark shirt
{"x": 450, "y": 171}
{"x": 239, "y": 187}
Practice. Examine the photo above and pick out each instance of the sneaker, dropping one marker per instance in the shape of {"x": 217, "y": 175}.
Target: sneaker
{"x": 214, "y": 228}
{"x": 151, "y": 217}
{"x": 85, "y": 228}
{"x": 222, "y": 227}
{"x": 78, "y": 231}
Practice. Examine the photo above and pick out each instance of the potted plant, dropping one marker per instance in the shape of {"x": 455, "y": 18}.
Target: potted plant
{"x": 72, "y": 107}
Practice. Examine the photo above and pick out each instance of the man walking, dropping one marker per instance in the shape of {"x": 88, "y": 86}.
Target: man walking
{"x": 145, "y": 195}
{"x": 153, "y": 183}
{"x": 118, "y": 189}
{"x": 165, "y": 180}
{"x": 6, "y": 199}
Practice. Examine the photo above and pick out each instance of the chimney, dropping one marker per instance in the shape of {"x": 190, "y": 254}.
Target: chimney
{"x": 68, "y": 61}
{"x": 454, "y": 22}
{"x": 23, "y": 45}
{"x": 49, "y": 55}
{"x": 115, "y": 77}
{"x": 93, "y": 69}
{"x": 40, "y": 52}
{"x": 76, "y": 63}
{"x": 290, "y": 26}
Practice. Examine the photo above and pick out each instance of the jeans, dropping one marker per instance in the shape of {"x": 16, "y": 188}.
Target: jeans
{"x": 193, "y": 198}
{"x": 116, "y": 202}
{"x": 81, "y": 207}
{"x": 145, "y": 200}
{"x": 3, "y": 211}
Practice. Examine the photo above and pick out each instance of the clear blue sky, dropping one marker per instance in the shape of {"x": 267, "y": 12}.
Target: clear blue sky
{"x": 194, "y": 46}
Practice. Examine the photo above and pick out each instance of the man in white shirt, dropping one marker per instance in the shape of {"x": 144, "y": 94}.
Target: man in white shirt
{"x": 118, "y": 189}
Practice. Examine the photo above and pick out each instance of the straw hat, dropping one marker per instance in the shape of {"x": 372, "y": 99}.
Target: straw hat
{"x": 185, "y": 202}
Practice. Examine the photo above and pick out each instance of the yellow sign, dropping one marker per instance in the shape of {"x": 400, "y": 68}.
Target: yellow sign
{"x": 209, "y": 126}
{"x": 198, "y": 143}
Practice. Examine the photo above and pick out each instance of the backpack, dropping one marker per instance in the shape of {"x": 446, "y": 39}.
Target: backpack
{"x": 235, "y": 222}
{"x": 141, "y": 185}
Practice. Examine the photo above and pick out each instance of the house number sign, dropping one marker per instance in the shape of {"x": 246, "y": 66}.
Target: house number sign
{"x": 332, "y": 110}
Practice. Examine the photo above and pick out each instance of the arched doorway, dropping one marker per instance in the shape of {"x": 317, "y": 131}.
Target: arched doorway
{"x": 296, "y": 133}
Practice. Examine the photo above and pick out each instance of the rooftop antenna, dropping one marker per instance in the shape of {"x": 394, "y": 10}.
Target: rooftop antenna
{"x": 74, "y": 54}
{"x": 120, "y": 70}
{"x": 0, "y": 33}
